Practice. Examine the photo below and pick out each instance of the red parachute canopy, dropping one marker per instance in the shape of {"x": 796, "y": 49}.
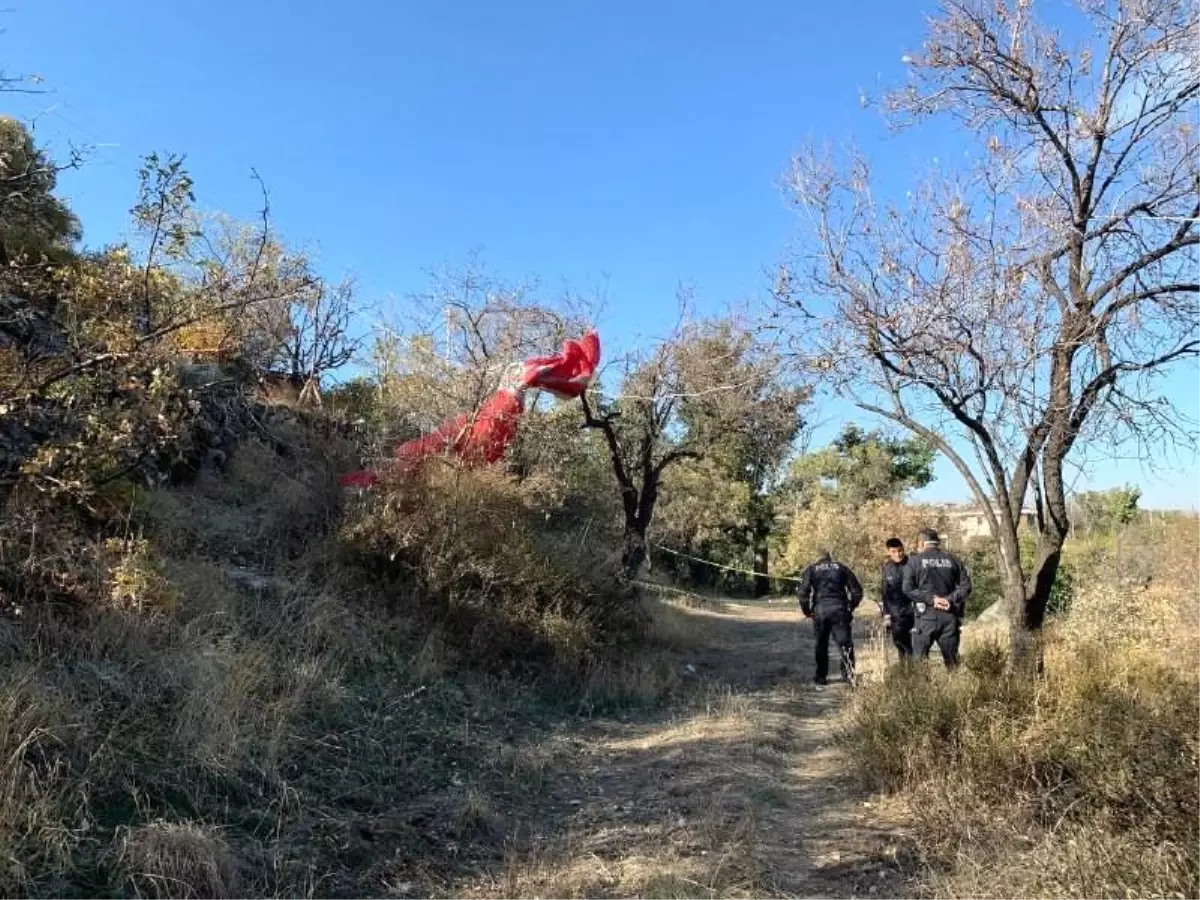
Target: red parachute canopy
{"x": 568, "y": 373}
{"x": 484, "y": 436}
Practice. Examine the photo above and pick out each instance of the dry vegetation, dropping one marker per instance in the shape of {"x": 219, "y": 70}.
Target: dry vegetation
{"x": 1081, "y": 784}
{"x": 856, "y": 533}
{"x": 736, "y": 790}
{"x": 467, "y": 547}
{"x": 221, "y": 676}
{"x": 292, "y": 696}
{"x": 247, "y": 706}
{"x": 217, "y": 676}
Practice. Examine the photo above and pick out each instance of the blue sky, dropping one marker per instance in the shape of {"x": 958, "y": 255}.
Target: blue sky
{"x": 627, "y": 144}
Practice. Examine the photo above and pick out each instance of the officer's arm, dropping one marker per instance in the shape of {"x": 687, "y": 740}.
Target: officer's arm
{"x": 854, "y": 588}
{"x": 805, "y": 591}
{"x": 909, "y": 584}
{"x": 962, "y": 591}
{"x": 886, "y": 591}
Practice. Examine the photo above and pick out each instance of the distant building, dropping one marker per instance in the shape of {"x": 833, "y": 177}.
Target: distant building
{"x": 969, "y": 521}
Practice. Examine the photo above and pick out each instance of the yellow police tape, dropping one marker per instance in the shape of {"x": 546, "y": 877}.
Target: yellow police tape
{"x": 717, "y": 565}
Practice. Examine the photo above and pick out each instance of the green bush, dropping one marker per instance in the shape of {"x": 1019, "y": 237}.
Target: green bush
{"x": 987, "y": 581}
{"x": 1062, "y": 592}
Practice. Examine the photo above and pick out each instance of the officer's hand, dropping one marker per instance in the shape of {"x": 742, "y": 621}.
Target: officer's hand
{"x": 941, "y": 603}
{"x": 887, "y": 621}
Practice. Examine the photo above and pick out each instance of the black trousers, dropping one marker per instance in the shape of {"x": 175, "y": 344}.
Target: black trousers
{"x": 901, "y": 632}
{"x": 833, "y": 623}
{"x": 939, "y": 626}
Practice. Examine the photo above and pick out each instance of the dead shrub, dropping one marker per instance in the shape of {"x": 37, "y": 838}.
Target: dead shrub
{"x": 136, "y": 577}
{"x": 277, "y": 493}
{"x": 856, "y": 536}
{"x": 463, "y": 548}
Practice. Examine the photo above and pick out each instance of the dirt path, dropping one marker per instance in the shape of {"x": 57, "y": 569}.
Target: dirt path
{"x": 741, "y": 793}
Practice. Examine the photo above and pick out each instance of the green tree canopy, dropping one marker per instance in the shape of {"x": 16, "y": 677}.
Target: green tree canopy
{"x": 34, "y": 223}
{"x": 722, "y": 507}
{"x": 1104, "y": 511}
{"x": 862, "y": 466}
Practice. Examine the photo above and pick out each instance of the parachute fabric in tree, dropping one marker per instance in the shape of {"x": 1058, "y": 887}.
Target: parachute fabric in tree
{"x": 483, "y": 437}
{"x": 567, "y": 374}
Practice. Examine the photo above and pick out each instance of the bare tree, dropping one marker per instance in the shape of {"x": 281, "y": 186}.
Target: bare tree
{"x": 317, "y": 335}
{"x": 16, "y": 83}
{"x": 483, "y": 325}
{"x": 471, "y": 331}
{"x": 1023, "y": 306}
{"x": 164, "y": 214}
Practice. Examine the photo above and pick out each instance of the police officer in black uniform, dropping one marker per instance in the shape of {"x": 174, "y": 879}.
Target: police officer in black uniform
{"x": 897, "y": 607}
{"x": 939, "y": 586}
{"x": 829, "y": 592}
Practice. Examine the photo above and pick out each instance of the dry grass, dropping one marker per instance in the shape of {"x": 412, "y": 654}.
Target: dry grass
{"x": 169, "y": 859}
{"x": 275, "y": 493}
{"x": 287, "y": 724}
{"x": 713, "y": 857}
{"x": 464, "y": 550}
{"x": 713, "y": 849}
{"x": 1084, "y": 784}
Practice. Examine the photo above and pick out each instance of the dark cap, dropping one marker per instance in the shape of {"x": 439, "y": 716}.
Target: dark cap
{"x": 929, "y": 536}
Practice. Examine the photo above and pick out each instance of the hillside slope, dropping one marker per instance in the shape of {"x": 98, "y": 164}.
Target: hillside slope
{"x": 253, "y": 712}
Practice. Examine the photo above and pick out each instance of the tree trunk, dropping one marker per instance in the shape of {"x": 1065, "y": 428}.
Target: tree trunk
{"x": 1039, "y": 505}
{"x": 1026, "y": 657}
{"x": 1028, "y": 654}
{"x": 1026, "y": 604}
{"x": 634, "y": 554}
{"x": 1037, "y": 594}
{"x": 762, "y": 581}
{"x": 146, "y": 319}
{"x": 1023, "y": 644}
